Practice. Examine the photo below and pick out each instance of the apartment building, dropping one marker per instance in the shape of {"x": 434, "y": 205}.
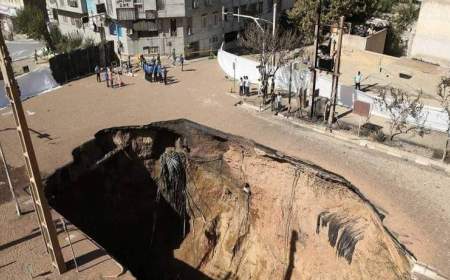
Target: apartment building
{"x": 8, "y": 9}
{"x": 190, "y": 27}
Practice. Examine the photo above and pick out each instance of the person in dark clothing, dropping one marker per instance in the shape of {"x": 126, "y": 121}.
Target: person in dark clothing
{"x": 241, "y": 86}
{"x": 129, "y": 65}
{"x": 97, "y": 73}
{"x": 182, "y": 62}
{"x": 155, "y": 73}
{"x": 107, "y": 76}
{"x": 165, "y": 75}
{"x": 142, "y": 60}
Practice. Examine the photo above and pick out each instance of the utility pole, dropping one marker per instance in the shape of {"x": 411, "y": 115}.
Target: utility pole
{"x": 316, "y": 46}
{"x": 43, "y": 214}
{"x": 274, "y": 21}
{"x": 336, "y": 74}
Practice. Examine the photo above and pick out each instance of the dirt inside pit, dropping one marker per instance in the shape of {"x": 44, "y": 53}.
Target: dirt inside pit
{"x": 177, "y": 200}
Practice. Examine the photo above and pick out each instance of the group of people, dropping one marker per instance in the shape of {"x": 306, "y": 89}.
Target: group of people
{"x": 244, "y": 86}
{"x": 112, "y": 79}
{"x": 154, "y": 70}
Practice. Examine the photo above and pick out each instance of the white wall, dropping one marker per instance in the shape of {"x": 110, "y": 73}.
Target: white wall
{"x": 432, "y": 39}
{"x": 435, "y": 118}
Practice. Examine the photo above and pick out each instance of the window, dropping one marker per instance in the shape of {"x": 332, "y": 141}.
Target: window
{"x": 204, "y": 21}
{"x": 55, "y": 14}
{"x": 173, "y": 27}
{"x": 78, "y": 23}
{"x": 195, "y": 4}
{"x": 140, "y": 8}
{"x": 208, "y": 2}
{"x": 72, "y": 3}
{"x": 151, "y": 50}
{"x": 61, "y": 3}
{"x": 142, "y": 34}
{"x": 214, "y": 39}
{"x": 189, "y": 26}
{"x": 65, "y": 19}
{"x": 160, "y": 4}
{"x": 216, "y": 18}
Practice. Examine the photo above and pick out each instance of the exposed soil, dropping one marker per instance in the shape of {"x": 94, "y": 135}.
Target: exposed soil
{"x": 176, "y": 200}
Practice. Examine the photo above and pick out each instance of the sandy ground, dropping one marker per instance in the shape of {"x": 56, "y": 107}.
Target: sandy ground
{"x": 381, "y": 70}
{"x": 424, "y": 76}
{"x": 414, "y": 198}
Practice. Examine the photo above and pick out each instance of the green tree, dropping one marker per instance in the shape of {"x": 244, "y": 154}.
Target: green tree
{"x": 31, "y": 21}
{"x": 303, "y": 13}
{"x": 404, "y": 14}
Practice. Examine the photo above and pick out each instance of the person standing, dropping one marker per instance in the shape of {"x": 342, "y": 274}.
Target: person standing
{"x": 241, "y": 86}
{"x": 142, "y": 60}
{"x": 174, "y": 57}
{"x": 155, "y": 73}
{"x": 107, "y": 76}
{"x": 35, "y": 56}
{"x": 97, "y": 73}
{"x": 111, "y": 77}
{"x": 358, "y": 79}
{"x": 158, "y": 59}
{"x": 165, "y": 75}
{"x": 272, "y": 86}
{"x": 247, "y": 86}
{"x": 181, "y": 61}
{"x": 278, "y": 102}
{"x": 129, "y": 65}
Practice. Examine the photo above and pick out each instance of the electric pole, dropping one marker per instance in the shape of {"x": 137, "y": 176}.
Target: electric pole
{"x": 316, "y": 46}
{"x": 336, "y": 73}
{"x": 43, "y": 214}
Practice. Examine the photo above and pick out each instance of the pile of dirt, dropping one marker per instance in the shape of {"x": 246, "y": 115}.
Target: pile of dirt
{"x": 177, "y": 200}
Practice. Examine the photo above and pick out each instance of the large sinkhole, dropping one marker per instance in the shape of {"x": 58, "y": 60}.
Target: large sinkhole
{"x": 178, "y": 200}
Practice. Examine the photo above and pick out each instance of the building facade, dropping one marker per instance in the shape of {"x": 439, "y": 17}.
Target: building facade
{"x": 189, "y": 27}
{"x": 8, "y": 10}
{"x": 431, "y": 41}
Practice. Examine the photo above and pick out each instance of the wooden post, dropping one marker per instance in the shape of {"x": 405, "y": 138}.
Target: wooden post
{"x": 316, "y": 46}
{"x": 290, "y": 84}
{"x": 336, "y": 74}
{"x": 43, "y": 214}
{"x": 2, "y": 155}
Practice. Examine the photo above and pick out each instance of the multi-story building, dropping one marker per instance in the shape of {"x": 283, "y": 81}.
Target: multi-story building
{"x": 8, "y": 9}
{"x": 158, "y": 26}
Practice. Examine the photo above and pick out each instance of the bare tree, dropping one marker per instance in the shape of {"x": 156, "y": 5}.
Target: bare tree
{"x": 405, "y": 111}
{"x": 273, "y": 51}
{"x": 443, "y": 92}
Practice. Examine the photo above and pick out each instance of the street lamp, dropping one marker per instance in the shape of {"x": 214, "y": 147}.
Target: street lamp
{"x": 256, "y": 20}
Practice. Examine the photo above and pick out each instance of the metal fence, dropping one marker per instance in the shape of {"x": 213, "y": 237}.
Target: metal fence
{"x": 79, "y": 63}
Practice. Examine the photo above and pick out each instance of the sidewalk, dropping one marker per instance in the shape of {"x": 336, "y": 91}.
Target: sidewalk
{"x": 420, "y": 156}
